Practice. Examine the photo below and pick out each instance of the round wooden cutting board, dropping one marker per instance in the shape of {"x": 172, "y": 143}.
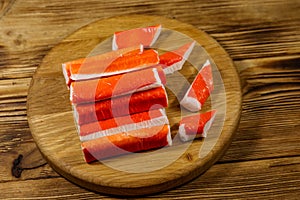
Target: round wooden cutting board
{"x": 52, "y": 125}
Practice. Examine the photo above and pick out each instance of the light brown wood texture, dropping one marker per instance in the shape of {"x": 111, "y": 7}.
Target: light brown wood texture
{"x": 262, "y": 38}
{"x": 55, "y": 134}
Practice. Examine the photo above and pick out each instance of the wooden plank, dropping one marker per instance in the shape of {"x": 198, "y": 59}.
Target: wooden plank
{"x": 267, "y": 179}
{"x": 5, "y": 6}
{"x": 277, "y": 178}
{"x": 23, "y": 162}
{"x": 270, "y": 117}
{"x": 13, "y": 94}
{"x": 251, "y": 35}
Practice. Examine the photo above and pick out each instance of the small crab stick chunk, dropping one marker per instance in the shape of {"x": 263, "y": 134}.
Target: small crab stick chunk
{"x": 117, "y": 85}
{"x": 199, "y": 90}
{"x": 105, "y": 59}
{"x": 120, "y": 106}
{"x": 173, "y": 60}
{"x": 196, "y": 125}
{"x": 122, "y": 124}
{"x": 127, "y": 142}
{"x": 146, "y": 36}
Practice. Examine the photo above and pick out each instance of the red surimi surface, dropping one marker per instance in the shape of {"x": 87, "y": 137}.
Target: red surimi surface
{"x": 122, "y": 143}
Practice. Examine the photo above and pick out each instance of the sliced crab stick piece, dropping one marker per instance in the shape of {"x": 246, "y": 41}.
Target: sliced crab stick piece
{"x": 126, "y": 142}
{"x": 199, "y": 90}
{"x": 113, "y": 86}
{"x": 174, "y": 60}
{"x": 131, "y": 61}
{"x": 146, "y": 36}
{"x": 195, "y": 126}
{"x": 120, "y": 106}
{"x": 122, "y": 124}
{"x": 105, "y": 59}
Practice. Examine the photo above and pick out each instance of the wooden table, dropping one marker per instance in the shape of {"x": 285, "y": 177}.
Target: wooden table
{"x": 263, "y": 39}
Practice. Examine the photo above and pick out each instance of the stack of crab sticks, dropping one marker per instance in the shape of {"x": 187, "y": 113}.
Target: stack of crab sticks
{"x": 119, "y": 97}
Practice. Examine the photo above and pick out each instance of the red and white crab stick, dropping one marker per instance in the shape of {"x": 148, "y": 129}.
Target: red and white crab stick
{"x": 199, "y": 90}
{"x": 127, "y": 142}
{"x": 117, "y": 85}
{"x": 104, "y": 59}
{"x": 173, "y": 60}
{"x": 122, "y": 124}
{"x": 146, "y": 36}
{"x": 120, "y": 106}
{"x": 195, "y": 126}
{"x": 103, "y": 65}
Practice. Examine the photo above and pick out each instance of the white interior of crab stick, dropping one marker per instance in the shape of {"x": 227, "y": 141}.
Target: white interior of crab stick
{"x": 190, "y": 103}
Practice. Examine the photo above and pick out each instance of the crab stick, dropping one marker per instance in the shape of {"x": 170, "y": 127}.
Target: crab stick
{"x": 120, "y": 106}
{"x": 174, "y": 60}
{"x": 122, "y": 124}
{"x": 126, "y": 142}
{"x": 105, "y": 59}
{"x": 196, "y": 125}
{"x": 132, "y": 61}
{"x": 114, "y": 86}
{"x": 199, "y": 90}
{"x": 146, "y": 36}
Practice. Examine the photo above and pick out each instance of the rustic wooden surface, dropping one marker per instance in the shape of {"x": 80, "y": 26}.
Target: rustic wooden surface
{"x": 55, "y": 134}
{"x": 263, "y": 39}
